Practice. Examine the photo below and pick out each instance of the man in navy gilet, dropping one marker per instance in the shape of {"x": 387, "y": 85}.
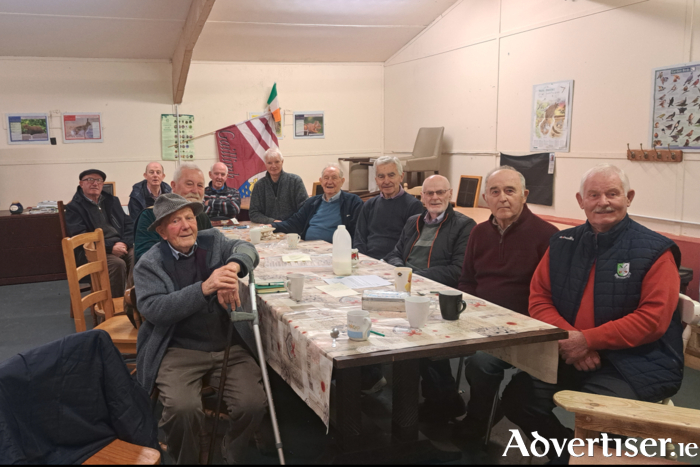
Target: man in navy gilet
{"x": 613, "y": 284}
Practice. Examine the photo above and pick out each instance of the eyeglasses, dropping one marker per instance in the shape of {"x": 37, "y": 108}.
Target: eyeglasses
{"x": 433, "y": 193}
{"x": 92, "y": 180}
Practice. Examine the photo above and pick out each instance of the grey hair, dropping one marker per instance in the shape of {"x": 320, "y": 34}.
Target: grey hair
{"x": 607, "y": 169}
{"x": 385, "y": 160}
{"x": 273, "y": 152}
{"x": 211, "y": 169}
{"x": 162, "y": 169}
{"x": 185, "y": 166}
{"x": 335, "y": 166}
{"x": 505, "y": 167}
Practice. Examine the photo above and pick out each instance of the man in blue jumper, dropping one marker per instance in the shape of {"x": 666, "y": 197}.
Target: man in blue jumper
{"x": 320, "y": 215}
{"x": 383, "y": 217}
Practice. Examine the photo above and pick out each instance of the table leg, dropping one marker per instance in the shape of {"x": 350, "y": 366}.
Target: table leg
{"x": 349, "y": 408}
{"x": 404, "y": 412}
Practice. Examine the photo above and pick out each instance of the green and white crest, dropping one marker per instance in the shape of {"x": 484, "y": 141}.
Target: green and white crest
{"x": 623, "y": 270}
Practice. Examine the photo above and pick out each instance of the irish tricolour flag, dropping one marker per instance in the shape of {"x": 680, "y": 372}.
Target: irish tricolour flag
{"x": 274, "y": 104}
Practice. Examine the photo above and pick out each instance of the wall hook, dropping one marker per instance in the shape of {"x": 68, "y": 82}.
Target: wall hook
{"x": 646, "y": 154}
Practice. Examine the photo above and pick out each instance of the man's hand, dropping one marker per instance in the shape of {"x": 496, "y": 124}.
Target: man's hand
{"x": 590, "y": 362}
{"x": 225, "y": 278}
{"x": 119, "y": 249}
{"x": 574, "y": 348}
{"x": 228, "y": 297}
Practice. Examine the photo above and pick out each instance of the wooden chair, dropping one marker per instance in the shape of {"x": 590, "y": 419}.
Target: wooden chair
{"x": 84, "y": 286}
{"x": 603, "y": 414}
{"x": 120, "y": 329}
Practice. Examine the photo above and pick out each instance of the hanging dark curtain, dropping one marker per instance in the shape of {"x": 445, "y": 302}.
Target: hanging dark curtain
{"x": 534, "y": 168}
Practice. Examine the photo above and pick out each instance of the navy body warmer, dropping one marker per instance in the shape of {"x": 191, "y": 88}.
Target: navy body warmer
{"x": 622, "y": 257}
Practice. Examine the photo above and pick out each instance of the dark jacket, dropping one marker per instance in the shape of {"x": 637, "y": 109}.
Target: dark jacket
{"x": 137, "y": 198}
{"x": 350, "y": 206}
{"x": 622, "y": 258}
{"x": 64, "y": 401}
{"x": 78, "y": 219}
{"x": 447, "y": 252}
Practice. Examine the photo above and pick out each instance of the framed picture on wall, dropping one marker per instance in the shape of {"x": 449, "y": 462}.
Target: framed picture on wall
{"x": 309, "y": 125}
{"x": 279, "y": 126}
{"x": 82, "y": 127}
{"x": 551, "y": 116}
{"x": 468, "y": 192}
{"x": 675, "y": 107}
{"x": 27, "y": 128}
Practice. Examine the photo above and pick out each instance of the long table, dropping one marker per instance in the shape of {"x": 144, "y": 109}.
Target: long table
{"x": 298, "y": 345}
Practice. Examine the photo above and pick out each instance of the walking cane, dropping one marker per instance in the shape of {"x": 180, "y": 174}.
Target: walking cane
{"x": 243, "y": 316}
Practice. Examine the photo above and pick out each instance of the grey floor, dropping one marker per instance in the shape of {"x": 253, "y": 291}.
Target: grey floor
{"x": 35, "y": 314}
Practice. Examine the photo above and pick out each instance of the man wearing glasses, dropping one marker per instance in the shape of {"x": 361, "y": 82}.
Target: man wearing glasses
{"x": 92, "y": 208}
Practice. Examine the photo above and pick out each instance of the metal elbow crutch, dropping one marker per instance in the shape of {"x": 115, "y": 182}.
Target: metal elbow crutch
{"x": 243, "y": 316}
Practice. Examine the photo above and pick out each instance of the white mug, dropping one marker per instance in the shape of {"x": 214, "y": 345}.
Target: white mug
{"x": 402, "y": 279}
{"x": 295, "y": 286}
{"x": 359, "y": 325}
{"x": 255, "y": 236}
{"x": 417, "y": 311}
{"x": 292, "y": 240}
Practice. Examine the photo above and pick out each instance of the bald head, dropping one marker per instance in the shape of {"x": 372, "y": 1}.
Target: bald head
{"x": 436, "y": 195}
{"x": 218, "y": 175}
{"x": 154, "y": 175}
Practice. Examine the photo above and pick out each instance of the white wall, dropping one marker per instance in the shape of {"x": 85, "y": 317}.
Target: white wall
{"x": 473, "y": 70}
{"x": 133, "y": 94}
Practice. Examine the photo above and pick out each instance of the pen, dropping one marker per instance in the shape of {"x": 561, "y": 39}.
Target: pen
{"x": 377, "y": 333}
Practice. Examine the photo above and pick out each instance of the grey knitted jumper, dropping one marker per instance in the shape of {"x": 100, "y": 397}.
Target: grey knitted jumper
{"x": 163, "y": 306}
{"x": 266, "y": 207}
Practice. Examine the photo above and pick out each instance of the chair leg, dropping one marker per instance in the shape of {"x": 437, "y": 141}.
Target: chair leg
{"x": 459, "y": 374}
{"x": 491, "y": 417}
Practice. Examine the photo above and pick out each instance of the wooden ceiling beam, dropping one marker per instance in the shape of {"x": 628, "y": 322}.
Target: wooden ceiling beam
{"x": 182, "y": 57}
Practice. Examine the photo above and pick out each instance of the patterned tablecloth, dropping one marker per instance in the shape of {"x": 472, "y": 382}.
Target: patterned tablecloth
{"x": 296, "y": 336}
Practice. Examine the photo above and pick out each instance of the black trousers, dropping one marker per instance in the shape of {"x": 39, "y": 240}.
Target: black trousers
{"x": 528, "y": 402}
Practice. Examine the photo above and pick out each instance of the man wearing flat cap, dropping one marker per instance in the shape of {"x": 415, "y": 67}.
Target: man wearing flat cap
{"x": 91, "y": 209}
{"x": 183, "y": 285}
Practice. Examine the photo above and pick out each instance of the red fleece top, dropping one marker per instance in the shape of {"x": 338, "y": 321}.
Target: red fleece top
{"x": 499, "y": 269}
{"x": 647, "y": 323}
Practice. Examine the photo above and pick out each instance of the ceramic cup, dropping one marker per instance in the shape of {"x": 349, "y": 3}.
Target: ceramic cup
{"x": 402, "y": 279}
{"x": 295, "y": 286}
{"x": 451, "y": 304}
{"x": 292, "y": 240}
{"x": 359, "y": 325}
{"x": 417, "y": 311}
{"x": 255, "y": 236}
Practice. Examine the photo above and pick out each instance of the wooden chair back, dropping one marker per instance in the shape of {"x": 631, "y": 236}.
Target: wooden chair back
{"x": 101, "y": 296}
{"x": 130, "y": 300}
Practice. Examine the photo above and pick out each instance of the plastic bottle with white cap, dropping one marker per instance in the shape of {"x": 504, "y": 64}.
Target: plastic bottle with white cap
{"x": 342, "y": 246}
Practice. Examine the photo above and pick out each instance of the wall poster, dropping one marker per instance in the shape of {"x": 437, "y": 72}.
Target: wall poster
{"x": 551, "y": 116}
{"x": 27, "y": 128}
{"x": 169, "y": 126}
{"x": 81, "y": 127}
{"x": 675, "y": 107}
{"x": 309, "y": 125}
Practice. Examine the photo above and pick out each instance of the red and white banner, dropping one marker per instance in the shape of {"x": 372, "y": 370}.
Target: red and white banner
{"x": 242, "y": 148}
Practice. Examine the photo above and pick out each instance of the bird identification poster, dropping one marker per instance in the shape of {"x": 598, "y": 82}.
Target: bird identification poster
{"x": 169, "y": 128}
{"x": 82, "y": 127}
{"x": 675, "y": 107}
{"x": 551, "y": 116}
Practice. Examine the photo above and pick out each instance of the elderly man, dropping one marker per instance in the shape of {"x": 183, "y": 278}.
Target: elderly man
{"x": 613, "y": 284}
{"x": 144, "y": 193}
{"x": 433, "y": 243}
{"x": 382, "y": 218}
{"x": 502, "y": 255}
{"x": 92, "y": 208}
{"x": 219, "y": 199}
{"x": 279, "y": 194}
{"x": 188, "y": 182}
{"x": 183, "y": 285}
{"x": 320, "y": 215}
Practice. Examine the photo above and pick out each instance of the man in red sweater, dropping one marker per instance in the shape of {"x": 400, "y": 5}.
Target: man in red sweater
{"x": 613, "y": 284}
{"x": 502, "y": 255}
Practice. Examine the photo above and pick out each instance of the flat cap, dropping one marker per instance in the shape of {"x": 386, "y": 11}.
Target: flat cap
{"x": 92, "y": 171}
{"x": 169, "y": 203}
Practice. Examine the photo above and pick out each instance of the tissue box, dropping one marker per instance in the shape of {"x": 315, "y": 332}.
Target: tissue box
{"x": 383, "y": 300}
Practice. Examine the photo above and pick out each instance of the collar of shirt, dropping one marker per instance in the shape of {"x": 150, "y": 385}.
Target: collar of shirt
{"x": 179, "y": 255}
{"x": 220, "y": 189}
{"x": 400, "y": 193}
{"x": 95, "y": 203}
{"x": 439, "y": 218}
{"x": 500, "y": 230}
{"x": 150, "y": 193}
{"x": 334, "y": 198}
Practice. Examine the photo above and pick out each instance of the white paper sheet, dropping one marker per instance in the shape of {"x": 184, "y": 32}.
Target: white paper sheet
{"x": 359, "y": 282}
{"x": 337, "y": 290}
{"x": 296, "y": 258}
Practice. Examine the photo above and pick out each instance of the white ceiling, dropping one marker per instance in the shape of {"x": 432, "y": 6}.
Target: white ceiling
{"x": 236, "y": 30}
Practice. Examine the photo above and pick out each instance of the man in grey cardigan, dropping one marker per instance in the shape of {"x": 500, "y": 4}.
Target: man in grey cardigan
{"x": 183, "y": 285}
{"x": 279, "y": 194}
